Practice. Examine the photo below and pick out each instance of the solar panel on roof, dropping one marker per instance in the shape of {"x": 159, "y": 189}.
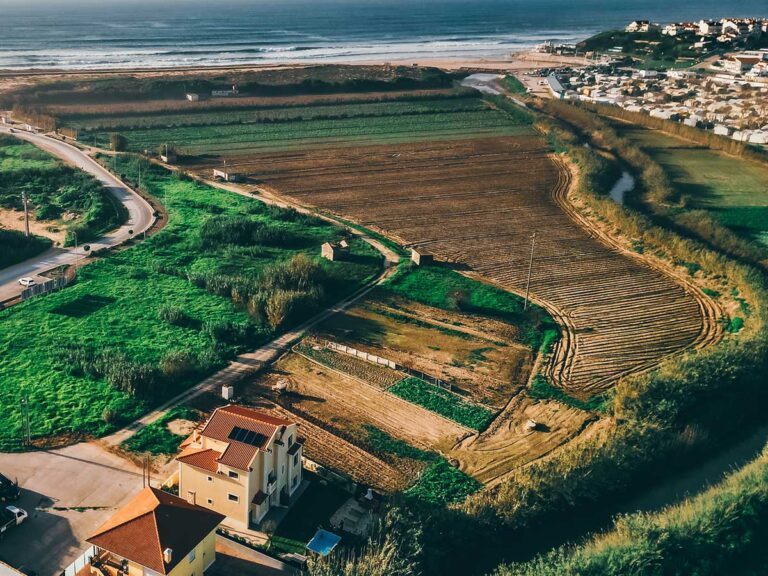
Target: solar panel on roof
{"x": 246, "y": 436}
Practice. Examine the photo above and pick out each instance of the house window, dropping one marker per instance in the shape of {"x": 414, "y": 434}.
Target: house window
{"x": 210, "y": 479}
{"x": 233, "y": 498}
{"x": 295, "y": 481}
{"x": 210, "y": 501}
{"x": 295, "y": 459}
{"x": 290, "y": 440}
{"x": 191, "y": 556}
{"x": 234, "y": 475}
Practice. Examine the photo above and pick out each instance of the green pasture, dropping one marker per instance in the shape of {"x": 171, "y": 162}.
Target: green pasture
{"x": 245, "y": 132}
{"x": 120, "y": 305}
{"x": 732, "y": 189}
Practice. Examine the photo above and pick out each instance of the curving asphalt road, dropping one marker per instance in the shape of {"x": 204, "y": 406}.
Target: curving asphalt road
{"x": 140, "y": 215}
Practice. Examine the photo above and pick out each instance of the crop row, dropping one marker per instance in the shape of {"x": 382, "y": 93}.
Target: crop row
{"x": 442, "y": 402}
{"x": 379, "y": 376}
{"x": 277, "y": 114}
{"x": 478, "y": 202}
{"x": 243, "y": 137}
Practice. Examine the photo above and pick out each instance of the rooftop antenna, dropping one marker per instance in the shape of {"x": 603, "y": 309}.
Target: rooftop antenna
{"x": 530, "y": 269}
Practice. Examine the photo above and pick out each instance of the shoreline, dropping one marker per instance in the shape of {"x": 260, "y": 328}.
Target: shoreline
{"x": 514, "y": 61}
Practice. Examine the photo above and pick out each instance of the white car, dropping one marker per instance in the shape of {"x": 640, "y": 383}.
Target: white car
{"x": 27, "y": 281}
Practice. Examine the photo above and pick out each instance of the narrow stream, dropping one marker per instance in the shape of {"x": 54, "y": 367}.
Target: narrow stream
{"x": 623, "y": 185}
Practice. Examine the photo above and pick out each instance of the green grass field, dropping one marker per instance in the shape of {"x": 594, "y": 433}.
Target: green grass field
{"x": 442, "y": 402}
{"x": 156, "y": 438}
{"x": 732, "y": 189}
{"x": 249, "y": 131}
{"x": 140, "y": 312}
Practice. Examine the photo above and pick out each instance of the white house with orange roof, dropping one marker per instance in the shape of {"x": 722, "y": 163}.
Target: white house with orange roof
{"x": 241, "y": 464}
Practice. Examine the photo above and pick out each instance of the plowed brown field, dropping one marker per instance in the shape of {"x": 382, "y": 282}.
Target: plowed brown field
{"x": 478, "y": 202}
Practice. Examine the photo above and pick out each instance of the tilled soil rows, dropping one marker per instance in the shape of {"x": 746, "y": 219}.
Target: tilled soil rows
{"x": 478, "y": 202}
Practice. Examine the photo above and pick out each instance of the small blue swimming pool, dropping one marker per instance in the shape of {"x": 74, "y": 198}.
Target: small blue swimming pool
{"x": 323, "y": 542}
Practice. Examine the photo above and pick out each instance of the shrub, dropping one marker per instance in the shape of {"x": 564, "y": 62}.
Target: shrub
{"x": 442, "y": 402}
{"x": 178, "y": 365}
{"x": 441, "y": 484}
{"x": 174, "y": 316}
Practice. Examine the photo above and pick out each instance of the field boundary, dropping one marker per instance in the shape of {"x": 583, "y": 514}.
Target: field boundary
{"x": 387, "y": 392}
{"x": 711, "y": 331}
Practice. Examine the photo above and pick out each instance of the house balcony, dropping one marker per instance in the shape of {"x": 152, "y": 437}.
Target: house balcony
{"x": 105, "y": 564}
{"x": 271, "y": 483}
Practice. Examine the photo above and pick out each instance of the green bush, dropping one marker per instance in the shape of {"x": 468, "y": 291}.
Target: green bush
{"x": 15, "y": 247}
{"x": 442, "y": 484}
{"x": 721, "y": 531}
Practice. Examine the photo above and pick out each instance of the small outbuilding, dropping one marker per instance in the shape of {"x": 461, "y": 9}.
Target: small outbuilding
{"x": 193, "y": 97}
{"x": 421, "y": 257}
{"x": 334, "y": 252}
{"x": 227, "y": 175}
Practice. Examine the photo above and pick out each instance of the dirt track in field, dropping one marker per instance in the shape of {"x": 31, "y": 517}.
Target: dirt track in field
{"x": 478, "y": 202}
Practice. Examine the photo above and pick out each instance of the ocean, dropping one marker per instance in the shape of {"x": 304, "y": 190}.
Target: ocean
{"x": 99, "y": 34}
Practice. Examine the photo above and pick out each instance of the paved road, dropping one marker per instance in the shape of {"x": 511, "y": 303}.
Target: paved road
{"x": 68, "y": 494}
{"x": 140, "y": 215}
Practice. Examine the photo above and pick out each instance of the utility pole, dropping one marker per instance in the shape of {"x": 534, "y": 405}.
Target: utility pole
{"x": 24, "y": 200}
{"x": 530, "y": 269}
{"x": 25, "y": 420}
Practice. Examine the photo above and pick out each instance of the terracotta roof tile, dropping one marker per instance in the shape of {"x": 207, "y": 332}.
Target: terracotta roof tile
{"x": 238, "y": 454}
{"x": 152, "y": 522}
{"x": 205, "y": 459}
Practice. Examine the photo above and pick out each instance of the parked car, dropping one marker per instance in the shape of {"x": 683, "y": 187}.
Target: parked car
{"x": 9, "y": 491}
{"x": 10, "y": 516}
{"x": 27, "y": 281}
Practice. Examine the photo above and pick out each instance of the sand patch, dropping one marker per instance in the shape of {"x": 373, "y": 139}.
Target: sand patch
{"x": 14, "y": 220}
{"x": 181, "y": 427}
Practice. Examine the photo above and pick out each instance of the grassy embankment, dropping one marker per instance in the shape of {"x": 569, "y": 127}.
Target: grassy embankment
{"x": 720, "y": 531}
{"x": 226, "y": 274}
{"x": 64, "y": 196}
{"x": 514, "y": 85}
